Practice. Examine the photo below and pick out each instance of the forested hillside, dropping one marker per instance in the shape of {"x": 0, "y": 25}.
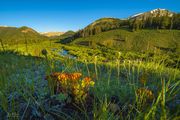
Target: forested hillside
{"x": 13, "y": 35}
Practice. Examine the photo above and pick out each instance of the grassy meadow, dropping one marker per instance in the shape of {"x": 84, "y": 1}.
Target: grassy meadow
{"x": 141, "y": 40}
{"x": 126, "y": 85}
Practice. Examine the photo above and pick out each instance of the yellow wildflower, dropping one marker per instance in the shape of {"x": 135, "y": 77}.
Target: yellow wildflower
{"x": 92, "y": 83}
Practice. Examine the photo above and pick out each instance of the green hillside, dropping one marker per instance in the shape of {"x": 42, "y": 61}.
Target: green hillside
{"x": 13, "y": 35}
{"x": 141, "y": 40}
{"x": 152, "y": 30}
{"x": 155, "y": 19}
{"x": 63, "y": 36}
{"x": 112, "y": 69}
{"x": 101, "y": 25}
{"x": 66, "y": 35}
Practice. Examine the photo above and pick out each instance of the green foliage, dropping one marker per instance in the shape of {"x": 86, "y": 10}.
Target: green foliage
{"x": 143, "y": 40}
{"x": 19, "y": 76}
{"x": 64, "y": 36}
{"x": 161, "y": 19}
{"x": 118, "y": 60}
{"x": 176, "y": 21}
{"x": 101, "y": 25}
{"x": 22, "y": 35}
{"x": 158, "y": 22}
{"x": 61, "y": 97}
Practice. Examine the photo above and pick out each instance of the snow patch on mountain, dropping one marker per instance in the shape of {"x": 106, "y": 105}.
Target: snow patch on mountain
{"x": 156, "y": 10}
{"x": 137, "y": 14}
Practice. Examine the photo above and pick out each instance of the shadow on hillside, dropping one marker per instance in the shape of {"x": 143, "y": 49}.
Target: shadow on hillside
{"x": 11, "y": 53}
{"x": 66, "y": 40}
{"x": 72, "y": 38}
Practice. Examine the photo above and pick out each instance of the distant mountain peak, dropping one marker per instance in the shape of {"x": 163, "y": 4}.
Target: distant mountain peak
{"x": 157, "y": 9}
{"x": 6, "y": 26}
{"x": 51, "y": 34}
{"x": 136, "y": 15}
{"x": 3, "y": 26}
{"x": 153, "y": 13}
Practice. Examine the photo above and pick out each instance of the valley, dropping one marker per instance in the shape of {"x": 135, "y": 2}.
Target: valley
{"x": 119, "y": 69}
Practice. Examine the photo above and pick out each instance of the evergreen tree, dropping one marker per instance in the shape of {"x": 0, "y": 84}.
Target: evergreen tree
{"x": 165, "y": 22}
{"x": 176, "y": 21}
{"x": 148, "y": 22}
{"x": 137, "y": 24}
{"x": 156, "y": 23}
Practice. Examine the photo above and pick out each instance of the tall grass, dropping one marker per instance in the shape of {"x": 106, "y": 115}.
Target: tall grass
{"x": 120, "y": 79}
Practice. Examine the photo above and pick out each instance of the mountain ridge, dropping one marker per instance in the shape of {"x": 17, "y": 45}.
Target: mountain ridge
{"x": 153, "y": 13}
{"x": 19, "y": 35}
{"x": 52, "y": 34}
{"x": 154, "y": 19}
{"x": 133, "y": 34}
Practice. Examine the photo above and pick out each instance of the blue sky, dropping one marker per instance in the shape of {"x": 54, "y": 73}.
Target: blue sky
{"x": 63, "y": 15}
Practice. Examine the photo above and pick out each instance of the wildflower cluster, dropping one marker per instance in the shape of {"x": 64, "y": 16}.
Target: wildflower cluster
{"x": 72, "y": 84}
{"x": 145, "y": 94}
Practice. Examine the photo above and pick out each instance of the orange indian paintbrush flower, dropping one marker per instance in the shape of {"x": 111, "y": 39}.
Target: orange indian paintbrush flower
{"x": 146, "y": 93}
{"x": 72, "y": 83}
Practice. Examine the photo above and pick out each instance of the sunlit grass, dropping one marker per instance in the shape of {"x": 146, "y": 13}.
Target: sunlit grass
{"x": 22, "y": 83}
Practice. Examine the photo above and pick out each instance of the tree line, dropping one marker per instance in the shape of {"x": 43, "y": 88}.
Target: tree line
{"x": 163, "y": 22}
{"x": 101, "y": 27}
